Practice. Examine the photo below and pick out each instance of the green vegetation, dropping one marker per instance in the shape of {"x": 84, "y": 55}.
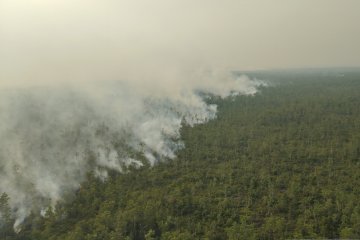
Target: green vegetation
{"x": 284, "y": 163}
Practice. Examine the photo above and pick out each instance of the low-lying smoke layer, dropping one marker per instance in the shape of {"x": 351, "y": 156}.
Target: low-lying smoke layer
{"x": 52, "y": 136}
{"x": 63, "y": 115}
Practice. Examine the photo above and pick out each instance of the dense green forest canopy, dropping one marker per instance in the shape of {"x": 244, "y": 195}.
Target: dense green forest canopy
{"x": 284, "y": 163}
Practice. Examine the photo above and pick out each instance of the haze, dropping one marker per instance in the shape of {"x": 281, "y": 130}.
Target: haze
{"x": 78, "y": 40}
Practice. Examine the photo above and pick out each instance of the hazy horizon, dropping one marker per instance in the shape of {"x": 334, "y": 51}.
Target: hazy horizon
{"x": 47, "y": 41}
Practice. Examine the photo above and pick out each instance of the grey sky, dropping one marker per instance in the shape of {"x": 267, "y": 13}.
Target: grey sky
{"x": 83, "y": 39}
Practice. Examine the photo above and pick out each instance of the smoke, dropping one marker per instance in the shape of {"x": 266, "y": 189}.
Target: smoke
{"x": 93, "y": 86}
{"x": 52, "y": 136}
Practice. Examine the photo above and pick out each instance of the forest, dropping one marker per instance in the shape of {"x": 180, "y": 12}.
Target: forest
{"x": 281, "y": 164}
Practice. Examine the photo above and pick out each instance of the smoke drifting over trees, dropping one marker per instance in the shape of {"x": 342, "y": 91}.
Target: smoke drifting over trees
{"x": 52, "y": 136}
{"x": 90, "y": 86}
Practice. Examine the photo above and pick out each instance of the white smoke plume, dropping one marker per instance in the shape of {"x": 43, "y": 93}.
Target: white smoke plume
{"x": 98, "y": 85}
{"x": 51, "y": 137}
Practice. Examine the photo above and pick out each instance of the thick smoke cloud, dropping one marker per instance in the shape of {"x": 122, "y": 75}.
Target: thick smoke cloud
{"x": 92, "y": 86}
{"x": 51, "y": 136}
